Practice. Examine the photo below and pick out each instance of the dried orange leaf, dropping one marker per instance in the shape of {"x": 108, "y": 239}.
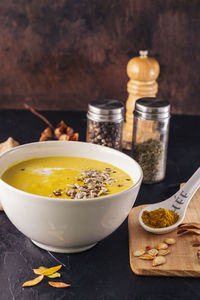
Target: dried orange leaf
{"x": 34, "y": 281}
{"x": 52, "y": 270}
{"x": 54, "y": 275}
{"x": 41, "y": 271}
{"x": 48, "y": 271}
{"x": 59, "y": 284}
{"x": 38, "y": 271}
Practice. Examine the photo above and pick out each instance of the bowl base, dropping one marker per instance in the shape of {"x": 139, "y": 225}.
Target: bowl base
{"x": 63, "y": 250}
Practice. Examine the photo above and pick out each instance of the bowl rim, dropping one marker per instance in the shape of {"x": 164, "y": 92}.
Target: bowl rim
{"x": 66, "y": 200}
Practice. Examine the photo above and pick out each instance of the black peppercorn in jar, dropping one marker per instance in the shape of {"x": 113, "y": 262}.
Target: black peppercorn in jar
{"x": 150, "y": 137}
{"x": 104, "y": 123}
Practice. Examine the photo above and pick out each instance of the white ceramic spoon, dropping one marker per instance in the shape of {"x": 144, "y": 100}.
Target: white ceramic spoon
{"x": 177, "y": 203}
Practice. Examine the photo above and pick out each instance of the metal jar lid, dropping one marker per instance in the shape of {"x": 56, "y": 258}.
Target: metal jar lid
{"x": 106, "y": 110}
{"x": 152, "y": 108}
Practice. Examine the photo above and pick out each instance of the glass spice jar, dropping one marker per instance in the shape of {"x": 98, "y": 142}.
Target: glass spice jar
{"x": 150, "y": 137}
{"x": 104, "y": 123}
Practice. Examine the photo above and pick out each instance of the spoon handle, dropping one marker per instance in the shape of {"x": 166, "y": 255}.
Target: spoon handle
{"x": 182, "y": 198}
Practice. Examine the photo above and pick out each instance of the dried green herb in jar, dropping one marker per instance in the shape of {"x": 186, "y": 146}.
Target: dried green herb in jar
{"x": 150, "y": 137}
{"x": 150, "y": 156}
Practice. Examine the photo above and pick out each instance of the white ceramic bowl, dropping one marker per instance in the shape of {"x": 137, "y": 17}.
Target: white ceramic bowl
{"x": 68, "y": 225}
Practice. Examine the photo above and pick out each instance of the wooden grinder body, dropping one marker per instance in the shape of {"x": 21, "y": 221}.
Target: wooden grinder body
{"x": 143, "y": 72}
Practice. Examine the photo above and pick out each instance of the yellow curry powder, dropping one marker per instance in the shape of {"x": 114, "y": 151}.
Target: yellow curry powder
{"x": 159, "y": 218}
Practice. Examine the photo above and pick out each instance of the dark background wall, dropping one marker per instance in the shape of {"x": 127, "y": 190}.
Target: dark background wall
{"x": 62, "y": 54}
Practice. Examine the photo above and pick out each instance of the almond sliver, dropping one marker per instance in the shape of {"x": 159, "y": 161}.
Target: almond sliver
{"x": 33, "y": 281}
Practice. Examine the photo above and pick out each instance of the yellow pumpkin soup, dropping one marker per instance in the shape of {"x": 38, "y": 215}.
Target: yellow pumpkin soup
{"x": 67, "y": 177}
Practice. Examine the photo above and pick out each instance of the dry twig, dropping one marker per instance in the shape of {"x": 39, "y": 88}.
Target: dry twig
{"x": 38, "y": 115}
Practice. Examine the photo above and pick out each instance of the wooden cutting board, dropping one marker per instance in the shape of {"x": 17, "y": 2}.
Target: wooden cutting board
{"x": 182, "y": 261}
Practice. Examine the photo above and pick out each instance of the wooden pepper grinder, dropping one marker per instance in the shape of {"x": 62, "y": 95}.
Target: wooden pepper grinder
{"x": 143, "y": 72}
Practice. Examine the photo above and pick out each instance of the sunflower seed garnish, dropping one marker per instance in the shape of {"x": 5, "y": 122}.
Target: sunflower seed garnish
{"x": 93, "y": 183}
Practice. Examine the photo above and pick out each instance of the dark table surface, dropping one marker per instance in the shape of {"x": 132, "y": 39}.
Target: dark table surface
{"x": 102, "y": 272}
